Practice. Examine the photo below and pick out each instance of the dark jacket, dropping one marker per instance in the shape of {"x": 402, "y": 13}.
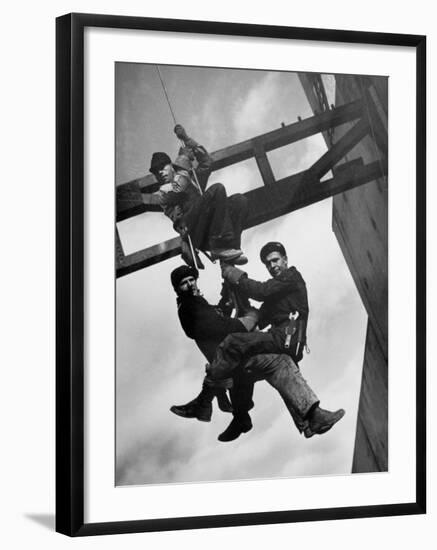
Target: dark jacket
{"x": 281, "y": 296}
{"x": 206, "y": 324}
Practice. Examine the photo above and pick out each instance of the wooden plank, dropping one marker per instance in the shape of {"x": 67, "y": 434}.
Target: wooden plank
{"x": 287, "y": 195}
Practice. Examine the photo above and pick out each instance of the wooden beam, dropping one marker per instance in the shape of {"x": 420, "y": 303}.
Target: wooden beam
{"x": 149, "y": 256}
{"x": 151, "y": 203}
{"x": 317, "y": 104}
{"x": 263, "y": 164}
{"x": 270, "y": 141}
{"x": 288, "y": 134}
{"x": 340, "y": 149}
{"x": 287, "y": 195}
{"x": 119, "y": 252}
{"x": 129, "y": 201}
{"x": 326, "y": 162}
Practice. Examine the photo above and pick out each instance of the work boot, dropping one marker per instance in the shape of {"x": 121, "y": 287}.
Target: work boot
{"x": 320, "y": 421}
{"x": 194, "y": 409}
{"x": 239, "y": 425}
{"x": 200, "y": 407}
{"x": 223, "y": 401}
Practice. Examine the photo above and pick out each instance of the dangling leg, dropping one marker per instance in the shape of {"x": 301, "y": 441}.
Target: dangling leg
{"x": 241, "y": 396}
{"x": 283, "y": 374}
{"x": 200, "y": 407}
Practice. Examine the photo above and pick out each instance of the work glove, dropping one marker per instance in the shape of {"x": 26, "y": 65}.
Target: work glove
{"x": 180, "y": 227}
{"x": 187, "y": 152}
{"x": 231, "y": 274}
{"x": 180, "y": 132}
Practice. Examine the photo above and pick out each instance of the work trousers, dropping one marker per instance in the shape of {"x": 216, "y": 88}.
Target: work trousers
{"x": 256, "y": 356}
{"x": 215, "y": 221}
{"x": 241, "y": 392}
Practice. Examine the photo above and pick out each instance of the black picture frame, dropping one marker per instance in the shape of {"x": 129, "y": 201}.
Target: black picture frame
{"x": 70, "y": 273}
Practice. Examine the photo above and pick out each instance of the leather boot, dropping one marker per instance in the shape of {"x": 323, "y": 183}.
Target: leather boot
{"x": 223, "y": 401}
{"x": 239, "y": 425}
{"x": 200, "y": 407}
{"x": 321, "y": 420}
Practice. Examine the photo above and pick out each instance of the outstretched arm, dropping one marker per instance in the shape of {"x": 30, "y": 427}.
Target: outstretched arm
{"x": 255, "y": 289}
{"x": 197, "y": 152}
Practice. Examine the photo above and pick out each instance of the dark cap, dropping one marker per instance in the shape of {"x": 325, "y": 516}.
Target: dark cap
{"x": 181, "y": 272}
{"x": 268, "y": 248}
{"x": 159, "y": 160}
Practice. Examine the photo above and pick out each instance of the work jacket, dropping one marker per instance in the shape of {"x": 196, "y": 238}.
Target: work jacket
{"x": 206, "y": 324}
{"x": 280, "y": 296}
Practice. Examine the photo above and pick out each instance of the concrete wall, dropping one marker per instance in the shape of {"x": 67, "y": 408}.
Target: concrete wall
{"x": 360, "y": 223}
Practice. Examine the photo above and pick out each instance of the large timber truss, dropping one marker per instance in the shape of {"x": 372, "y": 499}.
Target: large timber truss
{"x": 276, "y": 197}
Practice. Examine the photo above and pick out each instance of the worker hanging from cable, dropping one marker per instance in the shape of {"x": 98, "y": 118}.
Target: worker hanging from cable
{"x": 205, "y": 217}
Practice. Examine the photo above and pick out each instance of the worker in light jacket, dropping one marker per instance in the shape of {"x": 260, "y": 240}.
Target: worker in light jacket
{"x": 213, "y": 221}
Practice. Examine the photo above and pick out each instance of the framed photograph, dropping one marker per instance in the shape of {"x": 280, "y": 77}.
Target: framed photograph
{"x": 240, "y": 274}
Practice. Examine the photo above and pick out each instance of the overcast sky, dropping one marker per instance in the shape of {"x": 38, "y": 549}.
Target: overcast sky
{"x": 156, "y": 365}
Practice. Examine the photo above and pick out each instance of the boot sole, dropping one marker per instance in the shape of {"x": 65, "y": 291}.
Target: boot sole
{"x": 183, "y": 415}
{"x": 226, "y": 440}
{"x": 308, "y": 432}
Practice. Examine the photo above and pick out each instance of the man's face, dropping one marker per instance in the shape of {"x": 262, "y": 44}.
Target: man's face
{"x": 188, "y": 287}
{"x": 166, "y": 174}
{"x": 276, "y": 263}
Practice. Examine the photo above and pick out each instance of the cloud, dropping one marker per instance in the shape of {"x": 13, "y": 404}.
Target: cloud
{"x": 158, "y": 366}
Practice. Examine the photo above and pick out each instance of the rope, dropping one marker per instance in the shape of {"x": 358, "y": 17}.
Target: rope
{"x": 193, "y": 172}
{"x": 193, "y": 255}
{"x": 166, "y": 95}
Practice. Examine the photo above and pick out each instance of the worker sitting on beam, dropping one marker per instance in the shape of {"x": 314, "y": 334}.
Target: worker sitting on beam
{"x": 212, "y": 221}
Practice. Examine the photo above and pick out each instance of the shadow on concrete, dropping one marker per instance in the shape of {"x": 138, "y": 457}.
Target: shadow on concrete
{"x": 46, "y": 520}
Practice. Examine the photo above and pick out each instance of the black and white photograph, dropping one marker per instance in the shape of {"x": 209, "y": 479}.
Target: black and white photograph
{"x": 251, "y": 274}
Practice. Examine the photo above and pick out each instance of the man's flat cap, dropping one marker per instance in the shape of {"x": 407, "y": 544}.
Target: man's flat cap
{"x": 273, "y": 246}
{"x": 159, "y": 160}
